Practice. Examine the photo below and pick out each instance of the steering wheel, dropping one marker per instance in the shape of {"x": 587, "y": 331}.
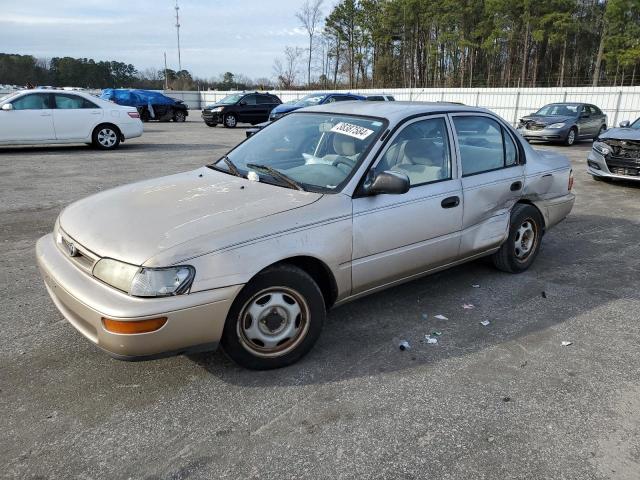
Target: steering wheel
{"x": 343, "y": 161}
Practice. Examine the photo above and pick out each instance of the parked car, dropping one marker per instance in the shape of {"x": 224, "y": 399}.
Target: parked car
{"x": 616, "y": 153}
{"x": 39, "y": 116}
{"x": 315, "y": 210}
{"x": 380, "y": 98}
{"x": 151, "y": 105}
{"x": 564, "y": 122}
{"x": 250, "y": 108}
{"x": 311, "y": 100}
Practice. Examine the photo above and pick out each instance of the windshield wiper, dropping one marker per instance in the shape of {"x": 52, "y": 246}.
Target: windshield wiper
{"x": 275, "y": 173}
{"x": 232, "y": 166}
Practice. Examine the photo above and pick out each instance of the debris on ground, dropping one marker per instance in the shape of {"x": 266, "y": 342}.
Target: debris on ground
{"x": 424, "y": 316}
{"x": 506, "y": 399}
{"x": 484, "y": 323}
{"x": 468, "y": 306}
{"x": 436, "y": 333}
{"x": 475, "y": 285}
{"x": 566, "y": 344}
{"x": 404, "y": 345}
{"x": 440, "y": 317}
{"x": 431, "y": 340}
{"x": 544, "y": 294}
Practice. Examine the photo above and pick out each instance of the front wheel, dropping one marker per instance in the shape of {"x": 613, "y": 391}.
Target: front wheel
{"x": 230, "y": 121}
{"x": 179, "y": 116}
{"x": 571, "y": 137}
{"x": 210, "y": 124}
{"x": 520, "y": 249}
{"x": 275, "y": 320}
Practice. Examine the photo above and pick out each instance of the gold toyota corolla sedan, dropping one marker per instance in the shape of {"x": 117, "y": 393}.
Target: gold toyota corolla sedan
{"x": 325, "y": 205}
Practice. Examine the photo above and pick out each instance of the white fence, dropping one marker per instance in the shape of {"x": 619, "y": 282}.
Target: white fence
{"x": 619, "y": 103}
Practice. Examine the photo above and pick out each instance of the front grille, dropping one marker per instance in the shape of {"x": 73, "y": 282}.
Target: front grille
{"x": 81, "y": 257}
{"x": 624, "y": 158}
{"x": 532, "y": 125}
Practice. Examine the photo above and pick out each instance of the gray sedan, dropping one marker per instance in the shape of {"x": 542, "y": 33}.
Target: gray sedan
{"x": 564, "y": 122}
{"x": 616, "y": 153}
{"x": 326, "y": 205}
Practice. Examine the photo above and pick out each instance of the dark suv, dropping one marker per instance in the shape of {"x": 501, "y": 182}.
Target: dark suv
{"x": 250, "y": 108}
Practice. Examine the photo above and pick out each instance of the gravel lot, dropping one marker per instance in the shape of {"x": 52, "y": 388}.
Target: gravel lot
{"x": 498, "y": 402}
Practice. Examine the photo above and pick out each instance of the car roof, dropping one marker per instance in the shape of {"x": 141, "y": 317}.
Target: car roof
{"x": 392, "y": 111}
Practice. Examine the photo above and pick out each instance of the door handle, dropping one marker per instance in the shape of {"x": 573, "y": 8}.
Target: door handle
{"x": 450, "y": 202}
{"x": 515, "y": 186}
{"x": 45, "y": 114}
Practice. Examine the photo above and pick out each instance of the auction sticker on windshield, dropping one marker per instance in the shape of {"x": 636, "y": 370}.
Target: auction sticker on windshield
{"x": 351, "y": 130}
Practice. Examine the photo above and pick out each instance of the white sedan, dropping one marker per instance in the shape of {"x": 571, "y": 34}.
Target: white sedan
{"x": 30, "y": 117}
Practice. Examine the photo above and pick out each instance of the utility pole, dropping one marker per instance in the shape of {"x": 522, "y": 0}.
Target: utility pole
{"x": 166, "y": 85}
{"x": 178, "y": 32}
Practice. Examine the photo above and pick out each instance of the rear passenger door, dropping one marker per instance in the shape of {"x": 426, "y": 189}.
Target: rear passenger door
{"x": 492, "y": 180}
{"x": 74, "y": 116}
{"x": 399, "y": 236}
{"x": 263, "y": 108}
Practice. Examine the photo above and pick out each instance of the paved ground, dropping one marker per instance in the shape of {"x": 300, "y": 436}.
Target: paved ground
{"x": 496, "y": 402}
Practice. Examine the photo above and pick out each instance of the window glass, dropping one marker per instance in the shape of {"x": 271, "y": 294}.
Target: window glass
{"x": 264, "y": 99}
{"x": 596, "y": 110}
{"x": 34, "y": 101}
{"x": 319, "y": 151}
{"x": 420, "y": 151}
{"x": 375, "y": 98}
{"x": 342, "y": 99}
{"x": 65, "y": 101}
{"x": 250, "y": 99}
{"x": 510, "y": 152}
{"x": 481, "y": 145}
{"x": 559, "y": 110}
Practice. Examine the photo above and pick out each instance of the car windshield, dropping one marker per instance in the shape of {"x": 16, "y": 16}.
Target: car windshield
{"x": 317, "y": 151}
{"x": 558, "y": 110}
{"x": 230, "y": 99}
{"x": 635, "y": 124}
{"x": 310, "y": 100}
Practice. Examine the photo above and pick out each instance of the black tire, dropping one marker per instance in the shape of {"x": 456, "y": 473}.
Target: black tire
{"x": 179, "y": 116}
{"x": 571, "y": 139}
{"x": 210, "y": 124}
{"x": 230, "y": 120}
{"x": 281, "y": 281}
{"x": 507, "y": 258}
{"x": 106, "y": 137}
{"x": 145, "y": 116}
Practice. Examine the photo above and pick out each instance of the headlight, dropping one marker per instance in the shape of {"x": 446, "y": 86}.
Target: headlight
{"x": 144, "y": 282}
{"x": 162, "y": 282}
{"x": 115, "y": 273}
{"x": 217, "y": 109}
{"x": 556, "y": 125}
{"x": 602, "y": 148}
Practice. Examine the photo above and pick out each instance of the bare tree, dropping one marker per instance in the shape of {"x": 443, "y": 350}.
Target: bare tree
{"x": 286, "y": 71}
{"x": 310, "y": 17}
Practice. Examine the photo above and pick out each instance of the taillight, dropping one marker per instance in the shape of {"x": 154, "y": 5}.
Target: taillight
{"x": 570, "y": 186}
{"x": 134, "y": 114}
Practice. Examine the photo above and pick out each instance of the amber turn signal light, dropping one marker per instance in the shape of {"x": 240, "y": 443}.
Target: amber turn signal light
{"x": 133, "y": 326}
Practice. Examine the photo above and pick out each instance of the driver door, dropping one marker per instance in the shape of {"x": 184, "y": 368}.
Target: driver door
{"x": 399, "y": 236}
{"x": 31, "y": 119}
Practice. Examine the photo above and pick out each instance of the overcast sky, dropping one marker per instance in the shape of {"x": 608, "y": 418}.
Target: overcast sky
{"x": 241, "y": 36}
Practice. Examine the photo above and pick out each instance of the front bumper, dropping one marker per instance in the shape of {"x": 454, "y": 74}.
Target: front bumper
{"x": 622, "y": 169}
{"x": 546, "y": 134}
{"x": 194, "y": 321}
{"x": 211, "y": 117}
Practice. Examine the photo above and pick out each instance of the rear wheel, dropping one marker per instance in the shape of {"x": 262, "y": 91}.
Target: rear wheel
{"x": 523, "y": 243}
{"x": 275, "y": 320}
{"x": 106, "y": 137}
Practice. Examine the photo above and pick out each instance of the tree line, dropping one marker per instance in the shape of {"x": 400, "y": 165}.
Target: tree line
{"x": 87, "y": 73}
{"x": 463, "y": 43}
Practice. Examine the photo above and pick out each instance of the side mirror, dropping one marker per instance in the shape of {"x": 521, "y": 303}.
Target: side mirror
{"x": 8, "y": 107}
{"x": 625, "y": 124}
{"x": 243, "y": 103}
{"x": 387, "y": 182}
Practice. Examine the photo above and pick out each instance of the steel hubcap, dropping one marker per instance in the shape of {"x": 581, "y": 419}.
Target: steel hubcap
{"x": 525, "y": 240}
{"x": 273, "y": 322}
{"x": 572, "y": 136}
{"x": 231, "y": 121}
{"x": 107, "y": 137}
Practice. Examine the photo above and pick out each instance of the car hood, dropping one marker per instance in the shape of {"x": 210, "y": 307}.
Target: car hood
{"x": 214, "y": 105}
{"x": 621, "y": 134}
{"x": 285, "y": 108}
{"x": 547, "y": 120}
{"x": 136, "y": 222}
